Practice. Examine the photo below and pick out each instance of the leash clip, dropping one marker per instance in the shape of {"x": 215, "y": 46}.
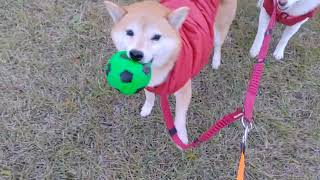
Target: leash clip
{"x": 247, "y": 127}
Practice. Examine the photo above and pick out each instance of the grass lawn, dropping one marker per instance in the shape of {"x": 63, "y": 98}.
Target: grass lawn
{"x": 59, "y": 120}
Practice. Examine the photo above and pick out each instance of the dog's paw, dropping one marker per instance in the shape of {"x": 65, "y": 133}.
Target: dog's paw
{"x": 278, "y": 54}
{"x": 183, "y": 135}
{"x": 216, "y": 62}
{"x": 146, "y": 110}
{"x": 215, "y": 65}
{"x": 254, "y": 51}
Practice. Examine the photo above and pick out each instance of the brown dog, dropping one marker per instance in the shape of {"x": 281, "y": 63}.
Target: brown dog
{"x": 149, "y": 31}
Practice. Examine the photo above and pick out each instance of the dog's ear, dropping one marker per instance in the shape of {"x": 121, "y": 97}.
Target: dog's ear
{"x": 116, "y": 12}
{"x": 177, "y": 17}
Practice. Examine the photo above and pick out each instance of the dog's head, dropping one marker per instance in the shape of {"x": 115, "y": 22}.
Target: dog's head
{"x": 285, "y": 4}
{"x": 147, "y": 30}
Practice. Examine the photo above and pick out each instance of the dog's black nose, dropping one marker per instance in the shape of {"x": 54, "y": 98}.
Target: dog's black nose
{"x": 283, "y": 2}
{"x": 136, "y": 55}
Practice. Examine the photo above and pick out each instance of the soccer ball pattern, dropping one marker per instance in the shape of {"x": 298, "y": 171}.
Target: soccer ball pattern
{"x": 125, "y": 75}
{"x": 146, "y": 69}
{"x": 108, "y": 69}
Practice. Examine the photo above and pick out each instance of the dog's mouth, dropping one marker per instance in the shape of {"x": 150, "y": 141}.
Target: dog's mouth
{"x": 147, "y": 62}
{"x": 282, "y": 8}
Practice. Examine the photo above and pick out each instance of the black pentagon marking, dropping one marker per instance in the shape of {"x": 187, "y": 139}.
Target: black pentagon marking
{"x": 124, "y": 56}
{"x": 138, "y": 90}
{"x": 126, "y": 76}
{"x": 108, "y": 69}
{"x": 146, "y": 69}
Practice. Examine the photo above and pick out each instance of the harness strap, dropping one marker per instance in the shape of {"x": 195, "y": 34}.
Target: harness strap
{"x": 284, "y": 17}
{"x": 257, "y": 71}
{"x": 215, "y": 128}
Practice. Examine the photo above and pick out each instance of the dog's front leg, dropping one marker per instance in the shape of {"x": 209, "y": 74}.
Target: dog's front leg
{"x": 287, "y": 34}
{"x": 259, "y": 3}
{"x": 148, "y": 104}
{"x": 183, "y": 98}
{"x": 263, "y": 25}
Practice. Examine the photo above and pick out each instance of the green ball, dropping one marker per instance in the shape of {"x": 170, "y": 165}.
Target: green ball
{"x": 126, "y": 75}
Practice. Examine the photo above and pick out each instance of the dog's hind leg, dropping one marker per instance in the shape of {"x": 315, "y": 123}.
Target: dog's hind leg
{"x": 183, "y": 98}
{"x": 148, "y": 104}
{"x": 286, "y": 35}
{"x": 225, "y": 15}
{"x": 216, "y": 60}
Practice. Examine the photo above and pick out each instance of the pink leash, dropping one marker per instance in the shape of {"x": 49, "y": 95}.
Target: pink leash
{"x": 250, "y": 98}
{"x": 257, "y": 71}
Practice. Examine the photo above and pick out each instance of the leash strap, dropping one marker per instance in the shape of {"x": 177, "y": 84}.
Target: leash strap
{"x": 214, "y": 129}
{"x": 257, "y": 71}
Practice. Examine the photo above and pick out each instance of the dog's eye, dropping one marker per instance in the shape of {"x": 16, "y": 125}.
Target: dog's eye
{"x": 130, "y": 32}
{"x": 156, "y": 37}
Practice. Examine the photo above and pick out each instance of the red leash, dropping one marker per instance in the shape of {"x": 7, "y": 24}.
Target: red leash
{"x": 250, "y": 97}
{"x": 257, "y": 71}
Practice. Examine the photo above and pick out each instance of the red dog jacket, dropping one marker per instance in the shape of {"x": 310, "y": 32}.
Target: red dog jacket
{"x": 197, "y": 42}
{"x": 285, "y": 18}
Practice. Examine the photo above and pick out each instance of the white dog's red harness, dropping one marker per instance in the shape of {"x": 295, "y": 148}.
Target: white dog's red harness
{"x": 285, "y": 18}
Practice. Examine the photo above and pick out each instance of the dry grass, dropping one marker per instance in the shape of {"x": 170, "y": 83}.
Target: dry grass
{"x": 59, "y": 120}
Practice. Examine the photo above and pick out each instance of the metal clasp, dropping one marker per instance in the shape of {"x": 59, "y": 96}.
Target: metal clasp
{"x": 247, "y": 127}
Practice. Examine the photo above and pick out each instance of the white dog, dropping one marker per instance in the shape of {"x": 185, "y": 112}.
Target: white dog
{"x": 292, "y": 13}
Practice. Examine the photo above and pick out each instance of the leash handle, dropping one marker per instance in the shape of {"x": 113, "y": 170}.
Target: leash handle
{"x": 242, "y": 165}
{"x": 257, "y": 71}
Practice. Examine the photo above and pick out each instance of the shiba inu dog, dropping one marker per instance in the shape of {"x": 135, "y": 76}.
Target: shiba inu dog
{"x": 292, "y": 13}
{"x": 172, "y": 33}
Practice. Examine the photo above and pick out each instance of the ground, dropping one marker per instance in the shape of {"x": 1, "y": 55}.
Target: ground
{"x": 59, "y": 119}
